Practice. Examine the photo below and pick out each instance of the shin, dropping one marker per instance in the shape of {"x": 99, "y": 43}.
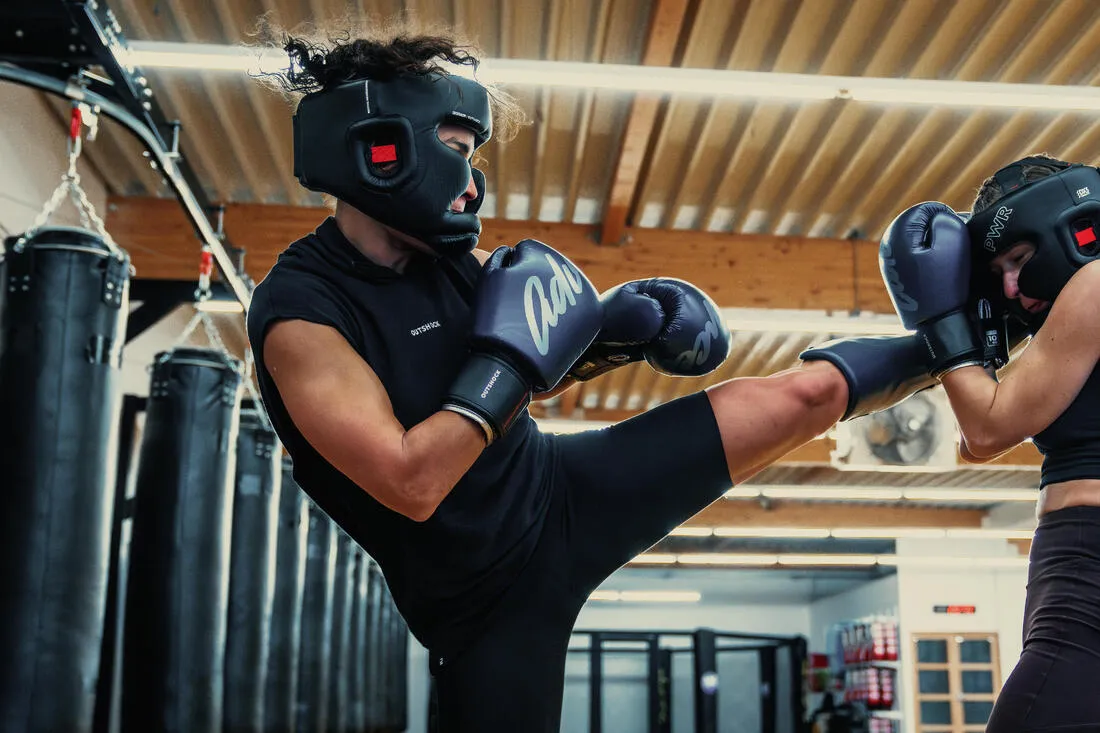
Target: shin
{"x": 761, "y": 419}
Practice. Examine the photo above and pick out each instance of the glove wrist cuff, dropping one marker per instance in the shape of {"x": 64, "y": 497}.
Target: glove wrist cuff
{"x": 951, "y": 342}
{"x": 490, "y": 392}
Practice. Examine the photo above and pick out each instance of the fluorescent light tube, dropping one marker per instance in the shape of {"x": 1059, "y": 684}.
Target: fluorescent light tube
{"x": 735, "y": 560}
{"x": 691, "y": 532}
{"x": 779, "y": 532}
{"x": 855, "y": 533}
{"x": 647, "y": 596}
{"x": 880, "y": 493}
{"x": 667, "y": 80}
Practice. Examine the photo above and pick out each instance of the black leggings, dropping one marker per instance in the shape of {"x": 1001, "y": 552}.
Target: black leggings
{"x": 615, "y": 493}
{"x": 1055, "y": 686}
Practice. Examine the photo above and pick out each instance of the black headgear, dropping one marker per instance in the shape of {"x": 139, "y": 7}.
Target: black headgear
{"x": 374, "y": 145}
{"x": 1058, "y": 214}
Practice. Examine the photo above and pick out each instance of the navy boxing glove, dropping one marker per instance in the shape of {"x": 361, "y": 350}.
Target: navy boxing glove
{"x": 535, "y": 314}
{"x": 881, "y": 371}
{"x": 925, "y": 261}
{"x": 669, "y": 323}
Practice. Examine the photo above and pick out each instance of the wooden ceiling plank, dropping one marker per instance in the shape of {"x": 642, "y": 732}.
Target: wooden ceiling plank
{"x": 1006, "y": 30}
{"x": 682, "y": 164}
{"x": 812, "y": 124}
{"x": 272, "y": 116}
{"x": 120, "y": 159}
{"x": 759, "y": 271}
{"x": 643, "y": 386}
{"x": 718, "y": 121}
{"x": 980, "y": 126}
{"x": 665, "y": 389}
{"x": 1052, "y": 134}
{"x": 785, "y": 355}
{"x": 583, "y": 125}
{"x": 767, "y": 26}
{"x": 765, "y": 345}
{"x": 846, "y": 155}
{"x": 664, "y": 33}
{"x": 684, "y": 386}
{"x": 830, "y": 515}
{"x": 570, "y": 399}
{"x": 201, "y": 155}
{"x": 225, "y": 111}
{"x": 626, "y": 388}
{"x": 539, "y": 171}
{"x": 811, "y": 27}
{"x": 497, "y": 174}
{"x": 1084, "y": 146}
{"x": 613, "y": 384}
{"x": 456, "y": 15}
{"x": 938, "y": 45}
{"x": 714, "y": 125}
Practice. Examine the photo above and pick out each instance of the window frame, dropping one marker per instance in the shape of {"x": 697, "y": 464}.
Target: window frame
{"x": 954, "y": 668}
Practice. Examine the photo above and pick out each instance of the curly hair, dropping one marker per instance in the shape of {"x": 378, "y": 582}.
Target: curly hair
{"x": 990, "y": 191}
{"x": 319, "y": 61}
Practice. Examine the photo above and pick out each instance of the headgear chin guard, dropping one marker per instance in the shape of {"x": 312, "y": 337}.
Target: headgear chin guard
{"x": 1059, "y": 215}
{"x": 375, "y": 146}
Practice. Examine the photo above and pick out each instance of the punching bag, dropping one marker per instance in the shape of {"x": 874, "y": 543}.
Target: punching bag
{"x": 316, "y": 644}
{"x": 63, "y": 328}
{"x": 176, "y": 594}
{"x": 399, "y": 696}
{"x": 376, "y": 658}
{"x": 357, "y": 644}
{"x": 386, "y": 680}
{"x": 396, "y": 646}
{"x": 251, "y": 570}
{"x": 281, "y": 696}
{"x": 342, "y": 597}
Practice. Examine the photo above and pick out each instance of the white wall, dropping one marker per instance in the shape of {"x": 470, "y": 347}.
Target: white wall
{"x": 785, "y": 620}
{"x": 878, "y": 597}
{"x": 997, "y": 595}
{"x": 32, "y": 148}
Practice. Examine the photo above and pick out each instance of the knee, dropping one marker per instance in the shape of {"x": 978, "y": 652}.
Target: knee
{"x": 819, "y": 384}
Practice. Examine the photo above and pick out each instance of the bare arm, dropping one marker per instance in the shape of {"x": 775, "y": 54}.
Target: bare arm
{"x": 1041, "y": 385}
{"x": 968, "y": 456}
{"x": 340, "y": 406}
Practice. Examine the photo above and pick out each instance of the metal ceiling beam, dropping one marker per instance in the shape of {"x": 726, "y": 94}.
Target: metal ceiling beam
{"x": 93, "y": 37}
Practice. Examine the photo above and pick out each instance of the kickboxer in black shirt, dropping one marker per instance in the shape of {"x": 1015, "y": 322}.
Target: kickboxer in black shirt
{"x": 397, "y": 362}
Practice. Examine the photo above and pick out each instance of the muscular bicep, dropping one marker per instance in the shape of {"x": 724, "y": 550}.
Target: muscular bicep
{"x": 336, "y": 401}
{"x": 341, "y": 407}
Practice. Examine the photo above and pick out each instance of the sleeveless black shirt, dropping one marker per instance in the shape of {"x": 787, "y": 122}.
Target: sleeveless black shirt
{"x": 1071, "y": 444}
{"x": 412, "y": 328}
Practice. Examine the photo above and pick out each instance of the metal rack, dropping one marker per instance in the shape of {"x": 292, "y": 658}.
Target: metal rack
{"x": 76, "y": 49}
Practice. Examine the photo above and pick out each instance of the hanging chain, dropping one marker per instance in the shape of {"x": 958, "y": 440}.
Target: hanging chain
{"x": 188, "y": 329}
{"x": 70, "y": 185}
{"x": 202, "y": 294}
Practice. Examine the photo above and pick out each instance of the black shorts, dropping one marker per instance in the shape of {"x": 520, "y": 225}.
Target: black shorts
{"x": 1055, "y": 686}
{"x": 615, "y": 493}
